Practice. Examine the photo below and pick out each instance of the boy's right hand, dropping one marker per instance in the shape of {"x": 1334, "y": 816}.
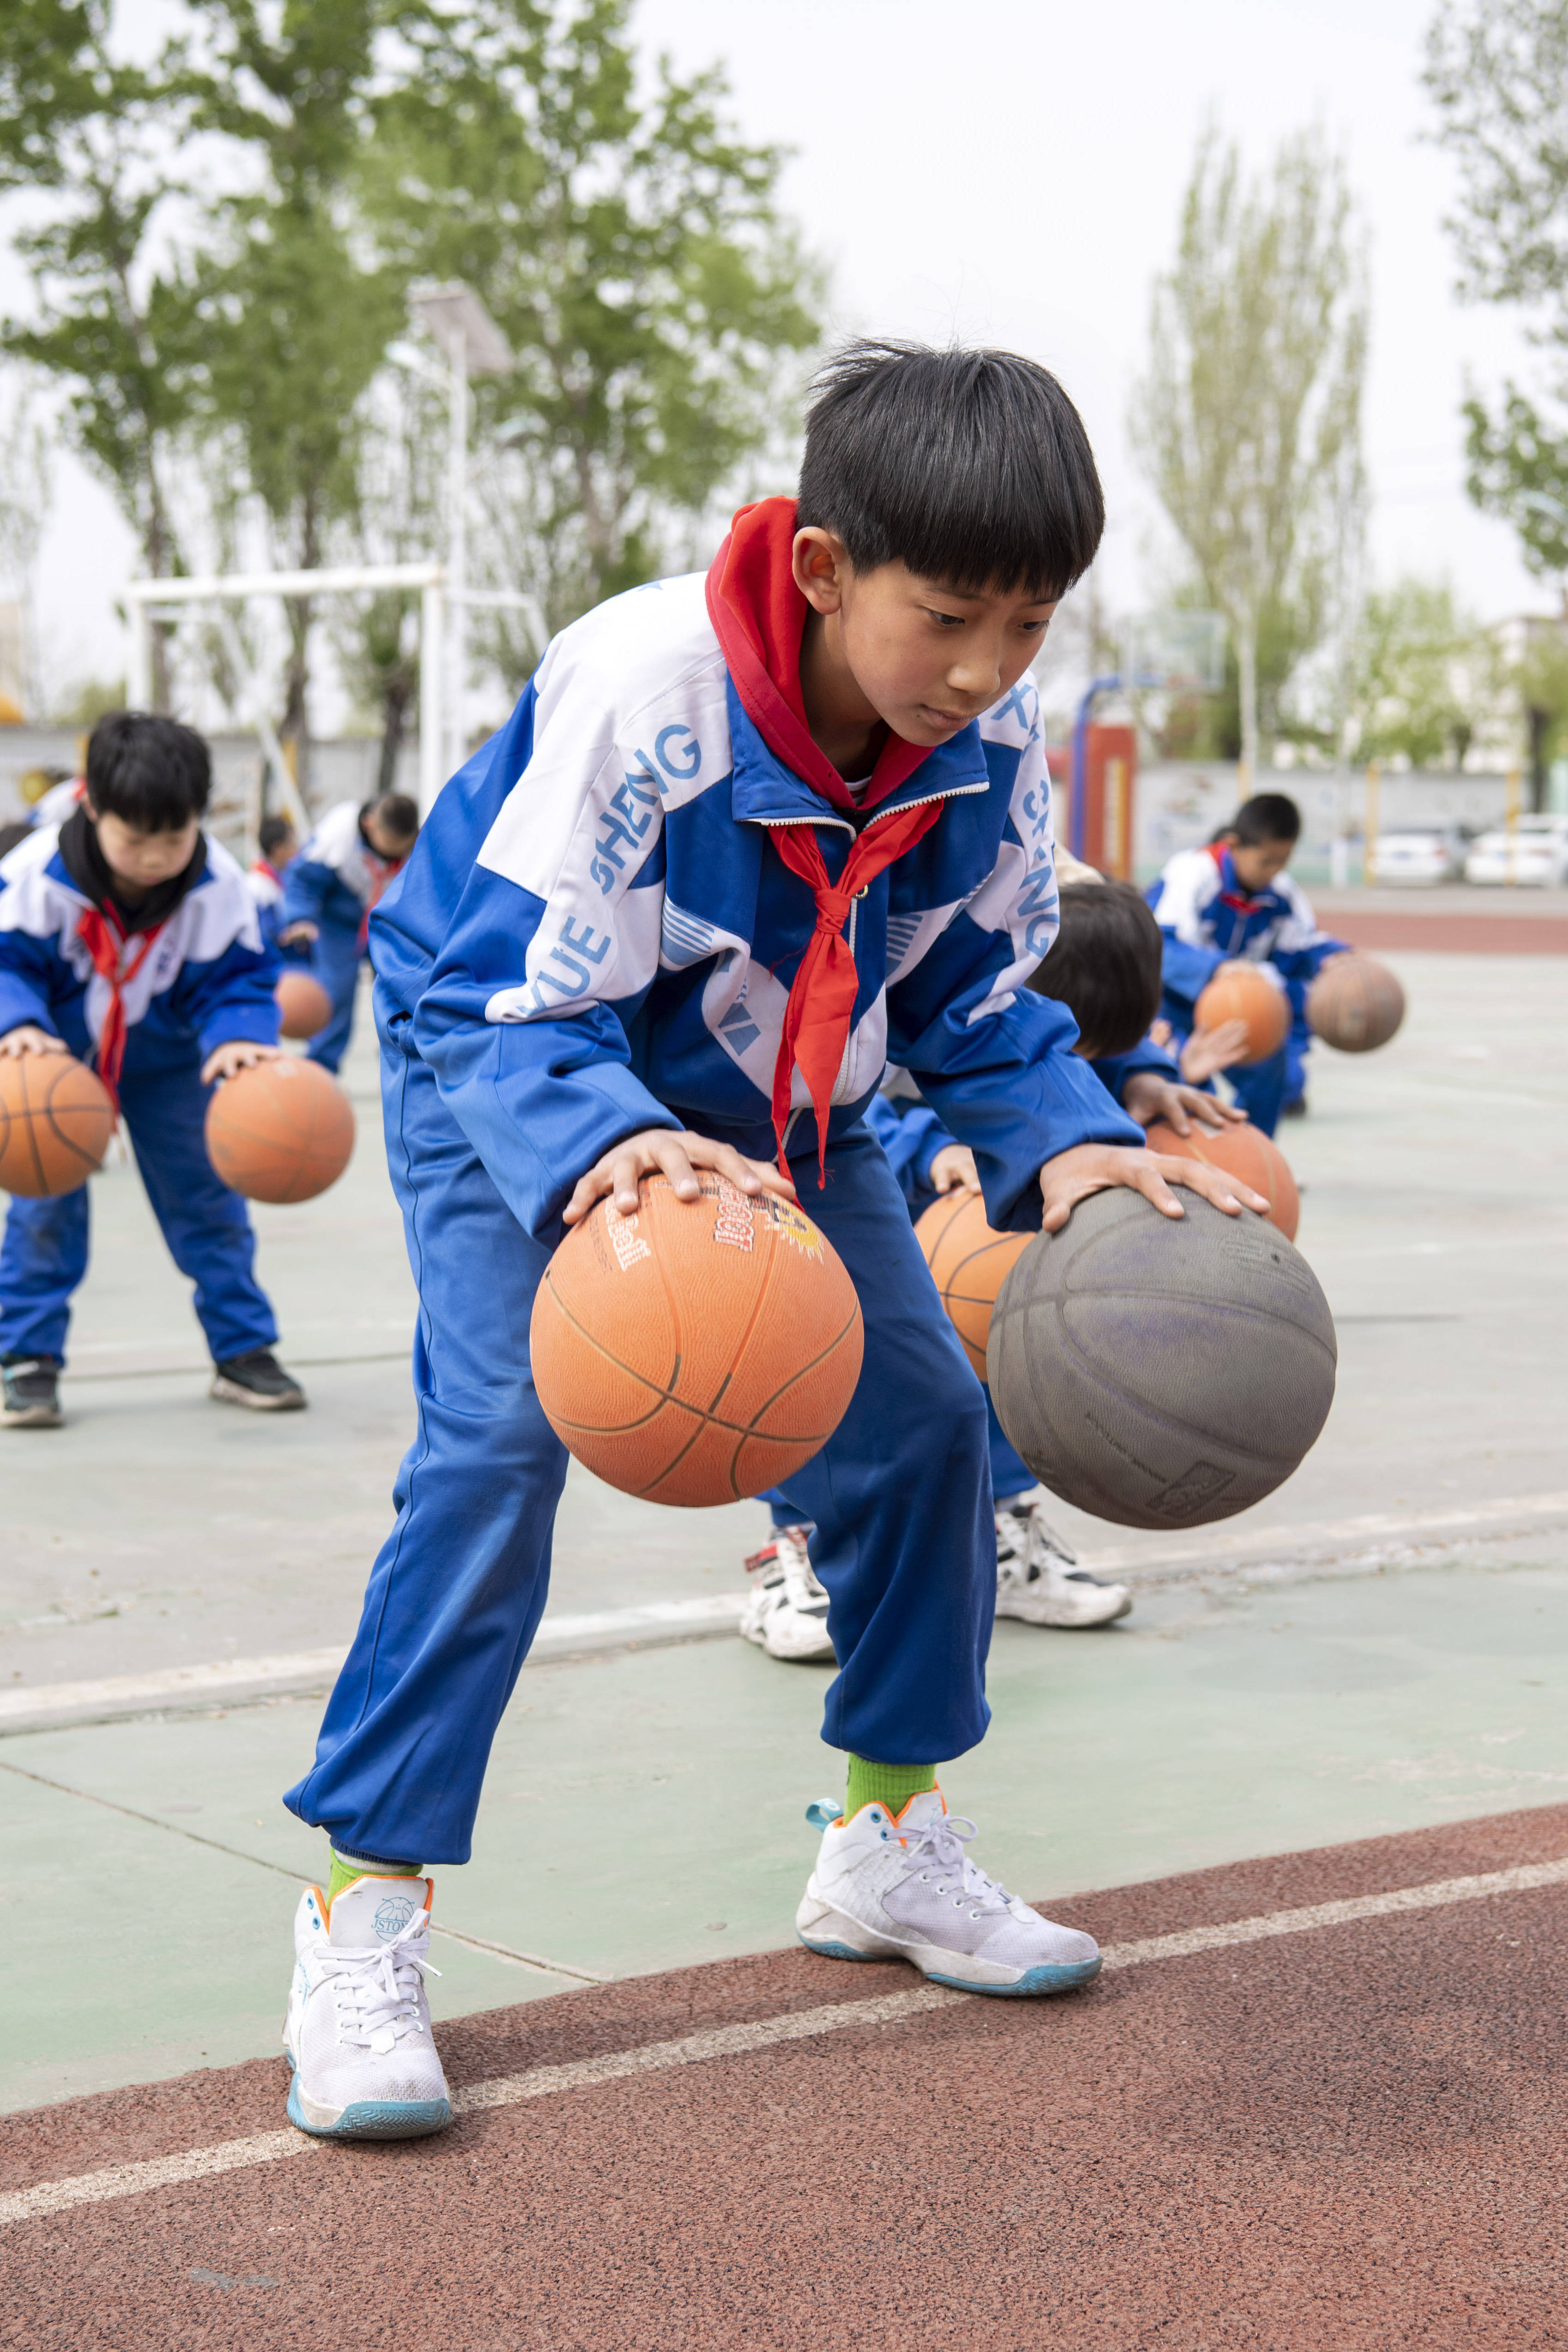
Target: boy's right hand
{"x": 1209, "y": 1050}
{"x": 29, "y": 1039}
{"x": 678, "y": 1155}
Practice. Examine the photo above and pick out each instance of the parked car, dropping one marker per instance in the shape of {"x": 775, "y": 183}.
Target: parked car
{"x": 1421, "y": 853}
{"x": 1536, "y": 853}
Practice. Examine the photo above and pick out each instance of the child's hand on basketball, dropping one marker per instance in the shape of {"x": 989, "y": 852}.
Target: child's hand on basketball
{"x": 1089, "y": 1167}
{"x": 954, "y": 1169}
{"x": 1208, "y": 1051}
{"x": 661, "y": 1150}
{"x": 240, "y": 1054}
{"x": 29, "y": 1039}
{"x": 1147, "y": 1097}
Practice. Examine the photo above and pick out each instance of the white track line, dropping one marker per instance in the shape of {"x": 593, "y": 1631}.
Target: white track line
{"x": 117, "y": 2180}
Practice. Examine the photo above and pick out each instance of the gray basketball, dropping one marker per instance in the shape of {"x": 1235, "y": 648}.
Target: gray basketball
{"x": 1158, "y": 1373}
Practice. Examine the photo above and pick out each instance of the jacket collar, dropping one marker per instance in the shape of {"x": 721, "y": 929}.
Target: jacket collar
{"x": 765, "y": 789}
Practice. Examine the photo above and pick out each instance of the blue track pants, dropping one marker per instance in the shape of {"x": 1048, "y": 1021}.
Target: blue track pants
{"x": 44, "y": 1255}
{"x": 335, "y": 961}
{"x": 900, "y": 1495}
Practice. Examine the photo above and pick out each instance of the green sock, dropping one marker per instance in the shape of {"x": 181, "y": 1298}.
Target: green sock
{"x": 885, "y": 1784}
{"x": 345, "y": 1873}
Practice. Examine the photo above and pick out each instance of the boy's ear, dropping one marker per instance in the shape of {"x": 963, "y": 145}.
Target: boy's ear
{"x": 821, "y": 567}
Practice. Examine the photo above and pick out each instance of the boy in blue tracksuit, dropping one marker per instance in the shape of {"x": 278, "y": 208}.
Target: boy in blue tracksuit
{"x": 329, "y": 891}
{"x": 278, "y": 846}
{"x": 744, "y": 838}
{"x": 1232, "y": 902}
{"x": 1104, "y": 966}
{"x": 129, "y": 939}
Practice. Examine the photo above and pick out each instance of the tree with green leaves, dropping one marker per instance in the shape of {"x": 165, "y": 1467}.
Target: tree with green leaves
{"x": 1247, "y": 422}
{"x": 1495, "y": 71}
{"x": 632, "y": 251}
{"x": 1423, "y": 676}
{"x": 114, "y": 320}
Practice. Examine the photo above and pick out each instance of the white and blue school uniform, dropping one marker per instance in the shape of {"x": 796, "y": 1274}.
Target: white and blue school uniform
{"x": 596, "y": 934}
{"x": 334, "y": 882}
{"x": 1207, "y": 917}
{"x": 205, "y": 978}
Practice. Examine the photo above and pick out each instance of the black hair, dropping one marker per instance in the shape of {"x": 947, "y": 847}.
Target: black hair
{"x": 396, "y": 812}
{"x": 272, "y": 833}
{"x": 148, "y": 771}
{"x": 971, "y": 467}
{"x": 1267, "y": 816}
{"x": 1104, "y": 964}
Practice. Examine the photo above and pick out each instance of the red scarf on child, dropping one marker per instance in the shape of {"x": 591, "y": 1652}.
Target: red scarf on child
{"x": 102, "y": 935}
{"x": 759, "y": 616}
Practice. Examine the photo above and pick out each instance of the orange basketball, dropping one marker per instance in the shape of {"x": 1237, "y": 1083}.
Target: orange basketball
{"x": 281, "y": 1130}
{"x": 55, "y": 1119}
{"x": 698, "y": 1351}
{"x": 1237, "y": 994}
{"x": 1355, "y": 1003}
{"x": 969, "y": 1264}
{"x": 303, "y": 1004}
{"x": 1244, "y": 1152}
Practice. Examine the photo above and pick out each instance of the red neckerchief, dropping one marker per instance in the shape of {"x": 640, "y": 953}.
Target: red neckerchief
{"x": 103, "y": 936}
{"x": 382, "y": 870}
{"x": 265, "y": 866}
{"x": 1237, "y": 899}
{"x": 758, "y": 618}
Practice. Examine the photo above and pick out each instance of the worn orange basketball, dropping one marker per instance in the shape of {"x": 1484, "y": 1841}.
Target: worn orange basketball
{"x": 55, "y": 1119}
{"x": 1355, "y": 1003}
{"x": 303, "y": 1005}
{"x": 695, "y": 1351}
{"x": 1245, "y": 1153}
{"x": 281, "y": 1130}
{"x": 969, "y": 1263}
{"x": 1237, "y": 994}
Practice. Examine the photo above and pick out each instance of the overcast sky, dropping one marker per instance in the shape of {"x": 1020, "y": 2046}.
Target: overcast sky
{"x": 1010, "y": 171}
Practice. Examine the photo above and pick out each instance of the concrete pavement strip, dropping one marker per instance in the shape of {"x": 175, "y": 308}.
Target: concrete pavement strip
{"x": 1269, "y": 1551}
{"x": 113, "y": 2181}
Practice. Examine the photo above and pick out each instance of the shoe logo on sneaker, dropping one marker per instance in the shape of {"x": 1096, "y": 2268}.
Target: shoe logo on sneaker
{"x": 392, "y": 1916}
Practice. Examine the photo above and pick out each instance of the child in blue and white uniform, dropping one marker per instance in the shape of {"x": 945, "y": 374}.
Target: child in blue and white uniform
{"x": 279, "y": 845}
{"x": 329, "y": 891}
{"x": 745, "y": 837}
{"x": 1104, "y": 966}
{"x": 130, "y": 940}
{"x": 1233, "y": 902}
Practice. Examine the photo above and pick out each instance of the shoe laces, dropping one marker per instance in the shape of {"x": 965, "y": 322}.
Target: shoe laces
{"x": 791, "y": 1567}
{"x": 377, "y": 1989}
{"x": 936, "y": 1856}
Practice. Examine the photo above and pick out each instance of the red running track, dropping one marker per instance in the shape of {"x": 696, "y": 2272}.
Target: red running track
{"x": 1439, "y": 933}
{"x": 1351, "y": 2135}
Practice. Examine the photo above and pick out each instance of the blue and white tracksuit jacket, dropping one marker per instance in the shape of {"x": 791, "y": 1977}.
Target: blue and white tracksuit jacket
{"x": 1208, "y": 918}
{"x": 593, "y": 936}
{"x": 330, "y": 882}
{"x": 208, "y": 979}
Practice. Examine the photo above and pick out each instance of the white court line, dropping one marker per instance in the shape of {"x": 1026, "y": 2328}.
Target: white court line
{"x": 123, "y": 1692}
{"x": 117, "y": 2180}
{"x": 126, "y": 1693}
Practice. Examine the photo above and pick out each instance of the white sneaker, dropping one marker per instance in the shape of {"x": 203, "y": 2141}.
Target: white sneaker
{"x": 786, "y": 1609}
{"x": 900, "y": 1887}
{"x": 358, "y": 2028}
{"x": 1037, "y": 1575}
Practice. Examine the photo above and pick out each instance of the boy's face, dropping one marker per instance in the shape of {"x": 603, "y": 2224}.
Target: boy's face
{"x": 282, "y": 851}
{"x": 927, "y": 659}
{"x": 143, "y": 859}
{"x": 1260, "y": 862}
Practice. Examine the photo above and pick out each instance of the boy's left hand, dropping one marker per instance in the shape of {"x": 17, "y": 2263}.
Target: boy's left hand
{"x": 1147, "y": 1097}
{"x": 1089, "y": 1167}
{"x": 240, "y": 1054}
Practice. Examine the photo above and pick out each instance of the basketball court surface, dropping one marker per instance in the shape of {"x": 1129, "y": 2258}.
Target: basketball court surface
{"x": 1312, "y": 1798}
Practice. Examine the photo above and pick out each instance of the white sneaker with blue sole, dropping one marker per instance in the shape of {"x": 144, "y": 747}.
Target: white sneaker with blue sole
{"x": 900, "y": 1887}
{"x": 358, "y": 2029}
